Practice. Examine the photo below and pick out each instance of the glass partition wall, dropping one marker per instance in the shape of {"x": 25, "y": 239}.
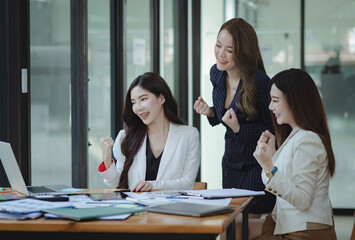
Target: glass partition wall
{"x": 51, "y": 154}
{"x": 50, "y": 92}
{"x": 137, "y": 40}
{"x": 167, "y": 54}
{"x": 330, "y": 59}
{"x": 99, "y": 85}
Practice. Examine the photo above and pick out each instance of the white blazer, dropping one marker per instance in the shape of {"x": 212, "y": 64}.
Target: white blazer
{"x": 301, "y": 183}
{"x": 178, "y": 165}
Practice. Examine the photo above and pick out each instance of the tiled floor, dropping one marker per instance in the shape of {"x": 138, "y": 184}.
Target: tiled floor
{"x": 344, "y": 226}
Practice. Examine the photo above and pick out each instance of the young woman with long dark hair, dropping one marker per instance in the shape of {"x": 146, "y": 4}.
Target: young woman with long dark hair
{"x": 298, "y": 172}
{"x": 240, "y": 103}
{"x": 156, "y": 150}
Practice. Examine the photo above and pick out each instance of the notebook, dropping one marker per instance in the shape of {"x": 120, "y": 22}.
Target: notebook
{"x": 15, "y": 178}
{"x": 190, "y": 209}
{"x": 80, "y": 214}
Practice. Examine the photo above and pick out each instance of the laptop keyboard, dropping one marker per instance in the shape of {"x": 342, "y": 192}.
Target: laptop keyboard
{"x": 39, "y": 189}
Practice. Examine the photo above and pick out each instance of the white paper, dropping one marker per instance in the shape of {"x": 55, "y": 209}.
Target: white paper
{"x": 29, "y": 205}
{"x": 219, "y": 202}
{"x": 158, "y": 199}
{"x": 150, "y": 201}
{"x": 20, "y": 216}
{"x": 223, "y": 193}
{"x": 116, "y": 217}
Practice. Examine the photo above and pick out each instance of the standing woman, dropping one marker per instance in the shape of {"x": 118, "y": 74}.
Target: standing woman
{"x": 240, "y": 99}
{"x": 298, "y": 172}
{"x": 155, "y": 150}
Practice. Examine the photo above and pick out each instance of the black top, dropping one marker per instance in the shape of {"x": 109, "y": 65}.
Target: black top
{"x": 152, "y": 163}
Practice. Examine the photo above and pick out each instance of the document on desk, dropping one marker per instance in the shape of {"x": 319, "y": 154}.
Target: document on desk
{"x": 145, "y": 200}
{"x": 222, "y": 193}
{"x": 29, "y": 205}
{"x": 151, "y": 199}
{"x": 20, "y": 216}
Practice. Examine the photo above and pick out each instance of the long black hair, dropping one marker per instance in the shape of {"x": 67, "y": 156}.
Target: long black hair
{"x": 248, "y": 59}
{"x": 135, "y": 129}
{"x": 306, "y": 106}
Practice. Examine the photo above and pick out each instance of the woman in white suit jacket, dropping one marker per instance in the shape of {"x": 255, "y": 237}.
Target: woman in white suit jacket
{"x": 298, "y": 172}
{"x": 178, "y": 166}
{"x": 155, "y": 150}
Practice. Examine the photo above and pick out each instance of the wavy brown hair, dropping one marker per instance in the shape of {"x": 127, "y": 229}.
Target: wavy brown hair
{"x": 306, "y": 106}
{"x": 135, "y": 129}
{"x": 248, "y": 59}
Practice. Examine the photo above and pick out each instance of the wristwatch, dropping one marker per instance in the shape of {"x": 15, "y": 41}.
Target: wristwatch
{"x": 271, "y": 173}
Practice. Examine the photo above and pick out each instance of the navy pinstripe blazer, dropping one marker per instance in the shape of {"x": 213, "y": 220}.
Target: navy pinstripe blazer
{"x": 240, "y": 146}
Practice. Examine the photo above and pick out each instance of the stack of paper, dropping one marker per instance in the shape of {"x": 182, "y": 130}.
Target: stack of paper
{"x": 155, "y": 199}
{"x": 29, "y": 205}
{"x": 20, "y": 216}
{"x": 27, "y": 208}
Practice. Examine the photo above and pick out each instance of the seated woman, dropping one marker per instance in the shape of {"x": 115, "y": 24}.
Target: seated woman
{"x": 155, "y": 150}
{"x": 298, "y": 172}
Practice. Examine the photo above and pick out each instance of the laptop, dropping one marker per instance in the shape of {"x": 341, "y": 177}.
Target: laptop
{"x": 15, "y": 178}
{"x": 190, "y": 209}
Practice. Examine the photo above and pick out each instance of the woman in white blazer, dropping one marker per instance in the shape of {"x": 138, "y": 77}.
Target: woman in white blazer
{"x": 155, "y": 150}
{"x": 298, "y": 172}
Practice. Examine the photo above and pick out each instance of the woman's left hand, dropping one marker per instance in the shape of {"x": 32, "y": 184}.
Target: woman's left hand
{"x": 142, "y": 186}
{"x": 230, "y": 118}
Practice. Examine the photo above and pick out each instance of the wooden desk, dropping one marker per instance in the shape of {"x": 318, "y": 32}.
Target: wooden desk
{"x": 143, "y": 226}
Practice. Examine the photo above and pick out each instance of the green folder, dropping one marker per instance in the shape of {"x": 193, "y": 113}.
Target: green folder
{"x": 80, "y": 214}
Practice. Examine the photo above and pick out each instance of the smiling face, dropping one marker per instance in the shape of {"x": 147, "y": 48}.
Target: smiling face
{"x": 223, "y": 51}
{"x": 147, "y": 106}
{"x": 280, "y": 107}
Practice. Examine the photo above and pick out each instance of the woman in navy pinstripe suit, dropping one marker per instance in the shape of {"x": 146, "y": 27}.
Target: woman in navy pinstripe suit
{"x": 240, "y": 99}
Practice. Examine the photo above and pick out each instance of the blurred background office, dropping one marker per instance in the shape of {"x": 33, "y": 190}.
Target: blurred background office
{"x": 65, "y": 67}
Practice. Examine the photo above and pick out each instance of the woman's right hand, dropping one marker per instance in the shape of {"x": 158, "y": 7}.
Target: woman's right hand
{"x": 106, "y": 144}
{"x": 201, "y": 107}
{"x": 269, "y": 139}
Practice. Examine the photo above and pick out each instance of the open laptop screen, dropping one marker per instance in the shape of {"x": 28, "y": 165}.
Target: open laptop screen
{"x": 17, "y": 183}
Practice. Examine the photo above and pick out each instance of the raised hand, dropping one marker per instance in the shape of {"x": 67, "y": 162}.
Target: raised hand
{"x": 201, "y": 107}
{"x": 269, "y": 139}
{"x": 265, "y": 150}
{"x": 106, "y": 144}
{"x": 230, "y": 118}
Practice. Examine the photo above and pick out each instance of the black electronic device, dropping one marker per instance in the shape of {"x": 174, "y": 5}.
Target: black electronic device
{"x": 106, "y": 196}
